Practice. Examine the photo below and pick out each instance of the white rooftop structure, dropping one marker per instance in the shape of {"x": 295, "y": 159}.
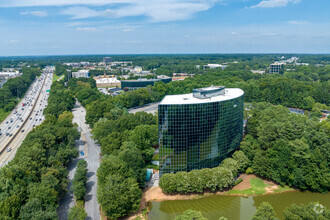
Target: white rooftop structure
{"x": 107, "y": 80}
{"x": 203, "y": 95}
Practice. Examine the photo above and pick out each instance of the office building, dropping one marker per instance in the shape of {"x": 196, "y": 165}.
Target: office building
{"x": 200, "y": 129}
{"x": 140, "y": 83}
{"x": 81, "y": 73}
{"x": 275, "y": 67}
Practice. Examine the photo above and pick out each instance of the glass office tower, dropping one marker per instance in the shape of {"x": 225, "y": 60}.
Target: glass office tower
{"x": 199, "y": 130}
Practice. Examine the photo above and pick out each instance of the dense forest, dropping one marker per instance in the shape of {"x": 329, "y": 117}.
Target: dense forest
{"x": 14, "y": 89}
{"x": 288, "y": 148}
{"x": 32, "y": 183}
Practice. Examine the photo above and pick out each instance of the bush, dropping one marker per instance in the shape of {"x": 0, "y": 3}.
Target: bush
{"x": 77, "y": 213}
{"x": 197, "y": 181}
{"x": 249, "y": 170}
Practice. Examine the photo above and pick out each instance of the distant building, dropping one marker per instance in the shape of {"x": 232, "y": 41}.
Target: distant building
{"x": 107, "y": 60}
{"x": 181, "y": 76}
{"x": 140, "y": 83}
{"x": 10, "y": 75}
{"x": 137, "y": 69}
{"x": 200, "y": 129}
{"x": 107, "y": 81}
{"x": 275, "y": 67}
{"x": 80, "y": 73}
{"x": 258, "y": 71}
{"x": 212, "y": 66}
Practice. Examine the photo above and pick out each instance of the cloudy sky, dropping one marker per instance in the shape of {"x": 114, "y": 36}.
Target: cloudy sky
{"x": 55, "y": 27}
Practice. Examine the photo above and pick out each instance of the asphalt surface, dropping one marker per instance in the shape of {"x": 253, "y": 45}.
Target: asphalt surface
{"x": 22, "y": 116}
{"x": 92, "y": 156}
{"x": 151, "y": 108}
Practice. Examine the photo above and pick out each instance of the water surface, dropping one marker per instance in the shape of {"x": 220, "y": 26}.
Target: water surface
{"x": 233, "y": 207}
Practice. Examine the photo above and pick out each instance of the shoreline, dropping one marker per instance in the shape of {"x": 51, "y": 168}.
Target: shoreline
{"x": 155, "y": 193}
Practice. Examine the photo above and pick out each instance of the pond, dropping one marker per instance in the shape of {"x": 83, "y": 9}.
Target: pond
{"x": 233, "y": 207}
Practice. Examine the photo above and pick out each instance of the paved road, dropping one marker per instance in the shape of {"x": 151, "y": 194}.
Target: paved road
{"x": 152, "y": 108}
{"x": 92, "y": 156}
{"x": 31, "y": 121}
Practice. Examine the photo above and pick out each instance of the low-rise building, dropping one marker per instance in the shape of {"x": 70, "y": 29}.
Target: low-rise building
{"x": 140, "y": 83}
{"x": 107, "y": 81}
{"x": 80, "y": 73}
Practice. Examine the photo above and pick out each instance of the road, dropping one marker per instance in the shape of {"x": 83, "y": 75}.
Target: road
{"x": 92, "y": 156}
{"x": 149, "y": 108}
{"x": 24, "y": 119}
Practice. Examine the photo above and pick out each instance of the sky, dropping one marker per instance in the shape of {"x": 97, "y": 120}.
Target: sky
{"x": 65, "y": 27}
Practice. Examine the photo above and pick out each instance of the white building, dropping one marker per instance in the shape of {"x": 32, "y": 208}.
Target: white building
{"x": 81, "y": 73}
{"x": 9, "y": 75}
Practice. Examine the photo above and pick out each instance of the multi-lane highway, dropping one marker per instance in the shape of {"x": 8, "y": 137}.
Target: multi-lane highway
{"x": 25, "y": 116}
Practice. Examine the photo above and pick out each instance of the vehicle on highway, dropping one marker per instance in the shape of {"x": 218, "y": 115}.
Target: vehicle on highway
{"x": 30, "y": 118}
{"x": 82, "y": 153}
{"x": 10, "y": 135}
{"x": 8, "y": 149}
{"x": 9, "y": 127}
{"x": 17, "y": 126}
{"x": 6, "y": 122}
{"x": 34, "y": 125}
{"x": 22, "y": 130}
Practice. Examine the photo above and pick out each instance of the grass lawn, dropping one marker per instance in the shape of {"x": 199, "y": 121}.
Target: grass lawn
{"x": 257, "y": 187}
{"x": 56, "y": 77}
{"x": 283, "y": 189}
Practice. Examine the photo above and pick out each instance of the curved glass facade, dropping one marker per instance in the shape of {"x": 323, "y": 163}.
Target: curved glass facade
{"x": 198, "y": 135}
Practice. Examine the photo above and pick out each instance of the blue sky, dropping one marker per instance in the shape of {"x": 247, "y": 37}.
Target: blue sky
{"x": 56, "y": 27}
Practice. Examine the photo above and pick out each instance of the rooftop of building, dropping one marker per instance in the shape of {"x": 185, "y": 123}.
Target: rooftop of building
{"x": 229, "y": 93}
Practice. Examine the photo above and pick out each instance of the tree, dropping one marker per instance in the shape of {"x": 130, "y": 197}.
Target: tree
{"x": 241, "y": 159}
{"x": 313, "y": 210}
{"x": 190, "y": 215}
{"x": 77, "y": 213}
{"x": 265, "y": 211}
{"x": 118, "y": 196}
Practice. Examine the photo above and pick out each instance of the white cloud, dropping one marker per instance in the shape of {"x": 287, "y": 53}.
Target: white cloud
{"x": 80, "y": 12}
{"x": 296, "y": 22}
{"x": 274, "y": 3}
{"x": 35, "y": 13}
{"x": 87, "y": 29}
{"x": 154, "y": 10}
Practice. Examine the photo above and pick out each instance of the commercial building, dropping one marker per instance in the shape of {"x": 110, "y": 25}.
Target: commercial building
{"x": 140, "y": 83}
{"x": 107, "y": 81}
{"x": 200, "y": 129}
{"x": 107, "y": 60}
{"x": 10, "y": 75}
{"x": 275, "y": 67}
{"x": 81, "y": 73}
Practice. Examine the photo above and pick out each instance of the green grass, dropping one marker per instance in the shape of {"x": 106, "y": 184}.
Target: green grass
{"x": 283, "y": 189}
{"x": 56, "y": 77}
{"x": 257, "y": 187}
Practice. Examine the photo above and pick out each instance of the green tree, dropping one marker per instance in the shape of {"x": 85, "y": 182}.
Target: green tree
{"x": 77, "y": 213}
{"x": 265, "y": 211}
{"x": 190, "y": 215}
{"x": 118, "y": 196}
{"x": 313, "y": 210}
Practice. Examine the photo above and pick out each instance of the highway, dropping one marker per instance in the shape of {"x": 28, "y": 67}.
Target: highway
{"x": 24, "y": 118}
